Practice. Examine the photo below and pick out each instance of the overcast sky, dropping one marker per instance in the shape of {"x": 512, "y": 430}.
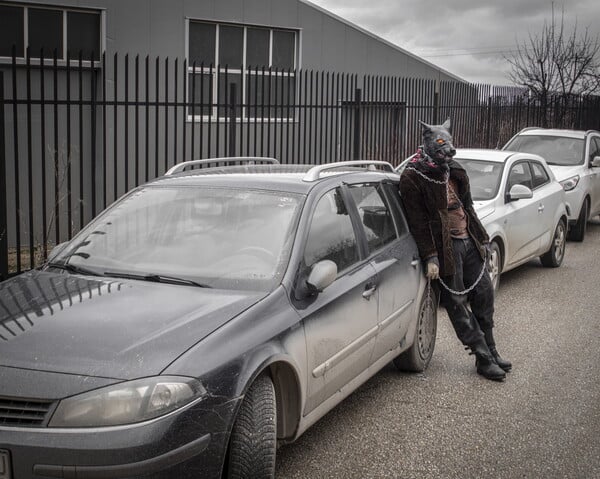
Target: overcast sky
{"x": 469, "y": 38}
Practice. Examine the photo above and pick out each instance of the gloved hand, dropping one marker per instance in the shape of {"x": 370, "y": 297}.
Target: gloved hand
{"x": 433, "y": 269}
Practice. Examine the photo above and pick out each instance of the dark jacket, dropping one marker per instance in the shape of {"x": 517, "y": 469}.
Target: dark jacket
{"x": 426, "y": 206}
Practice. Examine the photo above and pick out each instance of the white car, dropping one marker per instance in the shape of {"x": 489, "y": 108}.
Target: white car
{"x": 574, "y": 157}
{"x": 521, "y": 205}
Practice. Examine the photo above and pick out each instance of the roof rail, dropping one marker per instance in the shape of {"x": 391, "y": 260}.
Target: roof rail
{"x": 315, "y": 172}
{"x": 251, "y": 160}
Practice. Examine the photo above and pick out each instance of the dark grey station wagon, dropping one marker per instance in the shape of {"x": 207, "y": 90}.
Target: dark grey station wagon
{"x": 206, "y": 317}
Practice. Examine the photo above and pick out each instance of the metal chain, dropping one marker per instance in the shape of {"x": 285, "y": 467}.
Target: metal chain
{"x": 446, "y": 287}
{"x": 438, "y": 182}
{"x": 470, "y": 288}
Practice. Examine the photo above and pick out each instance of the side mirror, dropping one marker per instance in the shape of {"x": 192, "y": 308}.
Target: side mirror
{"x": 519, "y": 192}
{"x": 322, "y": 275}
{"x": 596, "y": 162}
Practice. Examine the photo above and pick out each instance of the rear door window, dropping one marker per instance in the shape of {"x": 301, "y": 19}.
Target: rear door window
{"x": 375, "y": 215}
{"x": 393, "y": 196}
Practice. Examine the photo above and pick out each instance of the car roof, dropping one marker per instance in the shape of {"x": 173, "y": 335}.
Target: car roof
{"x": 499, "y": 156}
{"x": 273, "y": 177}
{"x": 554, "y": 132}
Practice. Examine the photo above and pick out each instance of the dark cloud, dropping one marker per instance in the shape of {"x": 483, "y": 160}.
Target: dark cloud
{"x": 467, "y": 37}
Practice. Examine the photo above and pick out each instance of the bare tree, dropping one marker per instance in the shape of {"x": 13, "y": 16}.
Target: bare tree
{"x": 556, "y": 64}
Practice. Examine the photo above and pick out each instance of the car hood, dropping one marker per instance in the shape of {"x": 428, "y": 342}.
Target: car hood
{"x": 484, "y": 208}
{"x": 563, "y": 172}
{"x": 105, "y": 327}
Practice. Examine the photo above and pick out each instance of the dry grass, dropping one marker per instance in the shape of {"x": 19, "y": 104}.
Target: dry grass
{"x": 25, "y": 256}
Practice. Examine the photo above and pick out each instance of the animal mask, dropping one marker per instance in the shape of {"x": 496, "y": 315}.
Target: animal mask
{"x": 437, "y": 142}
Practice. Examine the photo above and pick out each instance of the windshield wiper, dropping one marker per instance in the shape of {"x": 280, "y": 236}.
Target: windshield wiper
{"x": 71, "y": 268}
{"x": 157, "y": 278}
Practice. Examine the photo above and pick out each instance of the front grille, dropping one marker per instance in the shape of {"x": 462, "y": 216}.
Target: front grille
{"x": 19, "y": 412}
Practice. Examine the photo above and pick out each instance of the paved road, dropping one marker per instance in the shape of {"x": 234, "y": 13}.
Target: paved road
{"x": 542, "y": 422}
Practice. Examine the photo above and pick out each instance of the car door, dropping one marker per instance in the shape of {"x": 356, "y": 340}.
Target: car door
{"x": 394, "y": 255}
{"x": 523, "y": 227}
{"x": 594, "y": 175}
{"x": 549, "y": 196}
{"x": 340, "y": 323}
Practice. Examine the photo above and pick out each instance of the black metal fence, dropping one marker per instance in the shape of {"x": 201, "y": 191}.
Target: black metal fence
{"x": 74, "y": 136}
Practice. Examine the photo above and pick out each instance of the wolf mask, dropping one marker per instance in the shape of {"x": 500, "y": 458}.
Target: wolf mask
{"x": 437, "y": 142}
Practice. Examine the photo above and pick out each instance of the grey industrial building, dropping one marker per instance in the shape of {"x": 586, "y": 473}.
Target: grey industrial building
{"x": 110, "y": 105}
{"x": 169, "y": 28}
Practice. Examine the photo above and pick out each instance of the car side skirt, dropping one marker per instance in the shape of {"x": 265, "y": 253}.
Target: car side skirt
{"x": 344, "y": 392}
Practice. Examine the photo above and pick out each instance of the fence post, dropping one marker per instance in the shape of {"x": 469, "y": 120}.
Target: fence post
{"x": 488, "y": 133}
{"x": 3, "y": 185}
{"x": 93, "y": 137}
{"x": 436, "y": 105}
{"x": 232, "y": 120}
{"x": 357, "y": 133}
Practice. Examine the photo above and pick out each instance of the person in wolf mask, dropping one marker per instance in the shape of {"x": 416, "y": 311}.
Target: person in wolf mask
{"x": 452, "y": 243}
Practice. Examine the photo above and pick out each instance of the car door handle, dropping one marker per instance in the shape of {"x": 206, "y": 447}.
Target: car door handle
{"x": 369, "y": 291}
{"x": 414, "y": 263}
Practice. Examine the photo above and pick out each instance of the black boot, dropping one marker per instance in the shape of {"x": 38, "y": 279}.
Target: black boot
{"x": 489, "y": 339}
{"x": 485, "y": 363}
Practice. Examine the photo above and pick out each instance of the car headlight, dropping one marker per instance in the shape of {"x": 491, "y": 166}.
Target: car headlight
{"x": 570, "y": 183}
{"x": 126, "y": 403}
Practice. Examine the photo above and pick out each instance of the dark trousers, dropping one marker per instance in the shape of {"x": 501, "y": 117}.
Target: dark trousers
{"x": 469, "y": 325}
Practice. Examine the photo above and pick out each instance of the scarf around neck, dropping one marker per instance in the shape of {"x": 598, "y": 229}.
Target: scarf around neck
{"x": 425, "y": 164}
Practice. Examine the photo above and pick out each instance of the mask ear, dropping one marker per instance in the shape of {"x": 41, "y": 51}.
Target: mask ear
{"x": 425, "y": 126}
{"x": 447, "y": 125}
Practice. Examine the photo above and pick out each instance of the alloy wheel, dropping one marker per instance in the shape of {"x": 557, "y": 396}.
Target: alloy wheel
{"x": 494, "y": 268}
{"x": 559, "y": 242}
{"x": 427, "y": 328}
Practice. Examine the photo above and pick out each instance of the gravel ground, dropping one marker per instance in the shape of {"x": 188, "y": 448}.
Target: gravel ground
{"x": 542, "y": 422}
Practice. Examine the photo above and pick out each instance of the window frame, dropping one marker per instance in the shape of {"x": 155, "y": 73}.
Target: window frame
{"x": 396, "y": 208}
{"x": 357, "y": 232}
{"x": 531, "y": 163}
{"x": 218, "y": 71}
{"x": 360, "y": 226}
{"x": 527, "y": 168}
{"x": 593, "y": 139}
{"x": 62, "y": 57}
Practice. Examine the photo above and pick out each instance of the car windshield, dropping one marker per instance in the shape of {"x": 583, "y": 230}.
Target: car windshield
{"x": 484, "y": 177}
{"x": 556, "y": 150}
{"x": 222, "y": 238}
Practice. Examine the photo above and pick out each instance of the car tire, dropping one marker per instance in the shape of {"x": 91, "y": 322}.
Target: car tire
{"x": 578, "y": 230}
{"x": 495, "y": 265}
{"x": 553, "y": 258}
{"x": 253, "y": 443}
{"x": 417, "y": 357}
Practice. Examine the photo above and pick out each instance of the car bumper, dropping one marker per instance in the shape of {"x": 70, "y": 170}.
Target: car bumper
{"x": 188, "y": 443}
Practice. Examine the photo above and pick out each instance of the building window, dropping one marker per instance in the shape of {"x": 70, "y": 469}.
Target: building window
{"x": 64, "y": 31}
{"x": 260, "y": 61}
{"x": 11, "y": 30}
